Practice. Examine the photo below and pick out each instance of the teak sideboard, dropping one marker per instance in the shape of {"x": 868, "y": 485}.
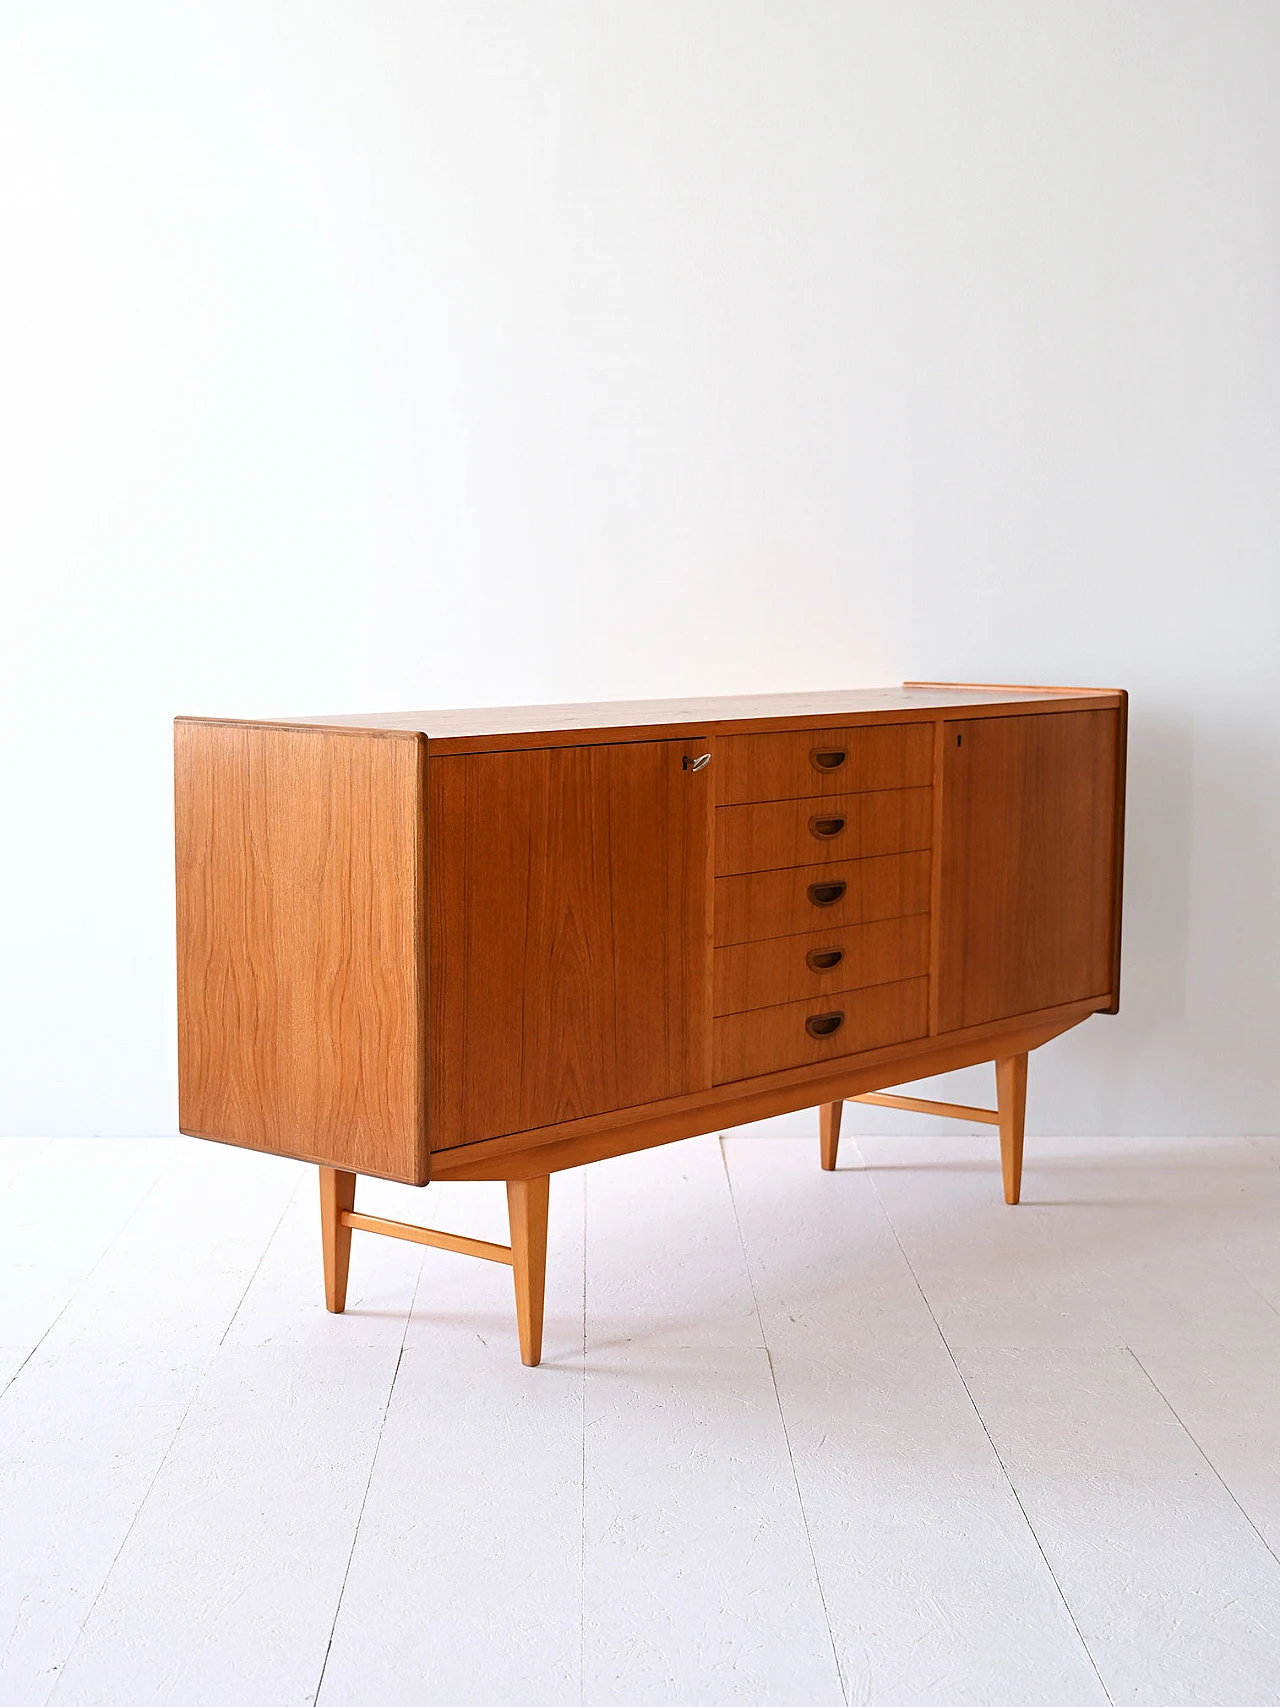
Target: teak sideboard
{"x": 494, "y": 944}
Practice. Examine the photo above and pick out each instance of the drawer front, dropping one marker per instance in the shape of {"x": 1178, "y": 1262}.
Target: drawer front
{"x": 823, "y": 761}
{"x": 777, "y": 833}
{"x": 820, "y": 897}
{"x": 818, "y": 964}
{"x": 768, "y": 1040}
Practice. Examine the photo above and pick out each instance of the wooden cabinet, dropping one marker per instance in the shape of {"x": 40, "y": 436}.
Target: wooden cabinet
{"x": 494, "y": 944}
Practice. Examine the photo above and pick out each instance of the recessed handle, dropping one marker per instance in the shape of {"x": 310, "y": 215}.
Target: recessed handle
{"x": 824, "y": 959}
{"x": 827, "y": 758}
{"x": 700, "y": 763}
{"x": 826, "y": 829}
{"x": 827, "y": 894}
{"x": 823, "y": 1025}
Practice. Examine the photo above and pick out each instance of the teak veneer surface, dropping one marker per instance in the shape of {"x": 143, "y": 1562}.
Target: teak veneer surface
{"x": 761, "y": 904}
{"x": 301, "y": 948}
{"x": 768, "y": 1040}
{"x": 740, "y": 1104}
{"x": 806, "y": 762}
{"x": 893, "y": 1064}
{"x": 776, "y": 833}
{"x": 490, "y": 931}
{"x": 794, "y": 968}
{"x": 1027, "y": 866}
{"x": 570, "y": 934}
{"x": 511, "y": 727}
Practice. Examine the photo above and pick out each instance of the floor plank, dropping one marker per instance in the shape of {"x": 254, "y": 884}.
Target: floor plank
{"x": 283, "y": 1303}
{"x": 178, "y": 1272}
{"x": 993, "y": 1275}
{"x": 466, "y": 1579}
{"x": 700, "y": 1584}
{"x": 227, "y": 1585}
{"x": 920, "y": 1543}
{"x": 462, "y": 1298}
{"x": 664, "y": 1259}
{"x": 16, "y": 1156}
{"x": 82, "y": 1435}
{"x": 1174, "y": 1592}
{"x": 784, "y": 1416}
{"x": 65, "y": 1211}
{"x": 12, "y": 1358}
{"x": 699, "y": 1581}
{"x": 1164, "y": 1230}
{"x": 1228, "y": 1400}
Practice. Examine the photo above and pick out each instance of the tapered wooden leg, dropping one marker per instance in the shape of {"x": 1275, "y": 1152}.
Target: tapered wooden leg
{"x": 527, "y": 1201}
{"x": 1011, "y": 1103}
{"x": 337, "y": 1193}
{"x": 829, "y": 1131}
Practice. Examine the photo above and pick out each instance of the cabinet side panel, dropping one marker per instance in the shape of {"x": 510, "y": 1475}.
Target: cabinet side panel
{"x": 570, "y": 949}
{"x": 1027, "y": 864}
{"x": 1117, "y": 879}
{"x": 301, "y": 1000}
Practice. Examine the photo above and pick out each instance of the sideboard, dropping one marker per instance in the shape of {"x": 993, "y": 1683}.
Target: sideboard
{"x": 493, "y": 944}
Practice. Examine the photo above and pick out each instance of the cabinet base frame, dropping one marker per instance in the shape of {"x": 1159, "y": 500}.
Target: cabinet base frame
{"x": 528, "y": 1197}
{"x": 1009, "y": 1114}
{"x": 526, "y": 1255}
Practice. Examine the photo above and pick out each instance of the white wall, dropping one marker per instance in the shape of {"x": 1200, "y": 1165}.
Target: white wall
{"x": 376, "y": 354}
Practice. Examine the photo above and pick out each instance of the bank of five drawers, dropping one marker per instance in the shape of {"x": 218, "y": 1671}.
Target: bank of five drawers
{"x": 822, "y": 848}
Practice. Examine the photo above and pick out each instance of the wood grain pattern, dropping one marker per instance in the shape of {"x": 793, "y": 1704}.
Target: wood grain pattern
{"x": 780, "y": 833}
{"x": 459, "y": 1243}
{"x": 784, "y": 767}
{"x": 777, "y": 903}
{"x": 1027, "y": 864}
{"x": 927, "y": 1105}
{"x": 766, "y": 1040}
{"x": 740, "y": 1104}
{"x": 829, "y": 1117}
{"x": 509, "y": 728}
{"x": 301, "y": 976}
{"x": 570, "y": 940}
{"x": 527, "y": 1203}
{"x": 768, "y": 1094}
{"x": 1011, "y": 1101}
{"x": 935, "y": 870}
{"x": 790, "y": 969}
{"x": 337, "y": 1197}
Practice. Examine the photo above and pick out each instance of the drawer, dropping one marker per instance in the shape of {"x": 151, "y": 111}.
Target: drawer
{"x": 818, "y": 964}
{"x": 767, "y": 1040}
{"x": 820, "y": 897}
{"x": 823, "y": 761}
{"x": 776, "y": 833}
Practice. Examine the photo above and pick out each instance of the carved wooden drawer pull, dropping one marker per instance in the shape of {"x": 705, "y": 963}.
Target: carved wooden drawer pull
{"x": 823, "y": 1025}
{"x": 827, "y": 894}
{"x": 827, "y": 758}
{"x": 825, "y": 828}
{"x": 824, "y": 959}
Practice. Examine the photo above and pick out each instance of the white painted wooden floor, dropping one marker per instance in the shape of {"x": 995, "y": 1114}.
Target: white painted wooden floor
{"x": 800, "y": 1438}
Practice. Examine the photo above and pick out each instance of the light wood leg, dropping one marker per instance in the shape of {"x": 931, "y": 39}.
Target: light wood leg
{"x": 527, "y": 1201}
{"x": 1011, "y": 1101}
{"x": 829, "y": 1131}
{"x": 337, "y": 1196}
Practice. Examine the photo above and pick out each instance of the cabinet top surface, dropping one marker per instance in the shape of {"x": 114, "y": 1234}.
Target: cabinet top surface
{"x": 686, "y": 717}
{"x": 502, "y": 726}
